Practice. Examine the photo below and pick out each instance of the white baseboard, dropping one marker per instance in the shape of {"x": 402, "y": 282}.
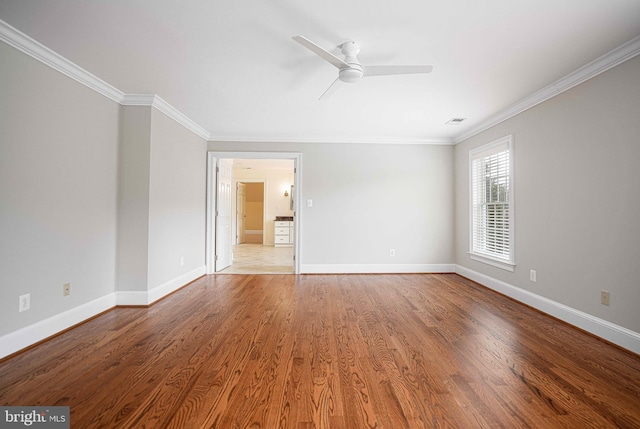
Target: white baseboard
{"x": 160, "y": 291}
{"x": 165, "y": 289}
{"x": 132, "y": 298}
{"x": 611, "y": 332}
{"x": 29, "y": 335}
{"x": 375, "y": 268}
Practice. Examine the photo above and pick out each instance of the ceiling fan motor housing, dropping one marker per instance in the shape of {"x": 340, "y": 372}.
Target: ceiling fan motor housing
{"x": 354, "y": 72}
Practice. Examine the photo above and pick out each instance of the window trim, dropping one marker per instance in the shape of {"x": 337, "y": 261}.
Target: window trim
{"x": 508, "y": 265}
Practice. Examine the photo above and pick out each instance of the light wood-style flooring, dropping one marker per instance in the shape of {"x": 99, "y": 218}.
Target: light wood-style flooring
{"x": 258, "y": 259}
{"x": 329, "y": 351}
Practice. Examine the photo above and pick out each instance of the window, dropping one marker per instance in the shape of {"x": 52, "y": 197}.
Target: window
{"x": 491, "y": 204}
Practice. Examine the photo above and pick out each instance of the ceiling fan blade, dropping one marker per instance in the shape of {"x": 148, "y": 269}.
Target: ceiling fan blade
{"x": 326, "y": 55}
{"x": 392, "y": 70}
{"x": 332, "y": 88}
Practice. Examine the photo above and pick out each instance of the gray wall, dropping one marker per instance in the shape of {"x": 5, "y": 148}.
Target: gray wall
{"x": 58, "y": 190}
{"x": 369, "y": 198}
{"x": 133, "y": 198}
{"x": 577, "y": 197}
{"x": 177, "y": 200}
{"x": 162, "y": 200}
{"x": 106, "y": 197}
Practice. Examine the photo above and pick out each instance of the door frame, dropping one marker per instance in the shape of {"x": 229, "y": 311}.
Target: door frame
{"x": 212, "y": 158}
{"x": 240, "y": 216}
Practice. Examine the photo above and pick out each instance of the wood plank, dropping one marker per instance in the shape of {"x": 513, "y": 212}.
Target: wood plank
{"x": 329, "y": 351}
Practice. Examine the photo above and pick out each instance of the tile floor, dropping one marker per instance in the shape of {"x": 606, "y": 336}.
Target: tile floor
{"x": 258, "y": 259}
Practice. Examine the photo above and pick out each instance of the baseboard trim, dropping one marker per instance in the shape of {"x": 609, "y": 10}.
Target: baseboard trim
{"x": 144, "y": 298}
{"x": 132, "y": 299}
{"x": 171, "y": 286}
{"x": 608, "y": 331}
{"x": 29, "y": 335}
{"x": 375, "y": 268}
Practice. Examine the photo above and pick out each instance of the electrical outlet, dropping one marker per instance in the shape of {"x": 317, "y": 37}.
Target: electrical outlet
{"x": 182, "y": 261}
{"x": 604, "y": 297}
{"x": 66, "y": 289}
{"x": 24, "y": 302}
{"x": 533, "y": 276}
{"x": 392, "y": 252}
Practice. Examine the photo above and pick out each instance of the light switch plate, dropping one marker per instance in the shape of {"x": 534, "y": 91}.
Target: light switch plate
{"x": 24, "y": 303}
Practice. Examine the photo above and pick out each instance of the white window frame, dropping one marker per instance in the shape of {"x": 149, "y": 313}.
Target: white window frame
{"x": 475, "y": 254}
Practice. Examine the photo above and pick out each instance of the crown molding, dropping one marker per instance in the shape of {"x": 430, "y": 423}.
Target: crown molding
{"x": 590, "y": 70}
{"x": 34, "y": 49}
{"x": 17, "y": 39}
{"x": 327, "y": 139}
{"x": 154, "y": 100}
{"x": 180, "y": 118}
{"x": 138, "y": 100}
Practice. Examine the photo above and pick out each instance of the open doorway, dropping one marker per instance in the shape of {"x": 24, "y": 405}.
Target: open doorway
{"x": 262, "y": 185}
{"x": 250, "y": 213}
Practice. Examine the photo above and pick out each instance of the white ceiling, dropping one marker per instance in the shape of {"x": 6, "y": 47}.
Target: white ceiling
{"x": 232, "y": 67}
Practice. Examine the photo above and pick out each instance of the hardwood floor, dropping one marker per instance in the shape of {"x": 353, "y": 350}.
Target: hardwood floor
{"x": 329, "y": 351}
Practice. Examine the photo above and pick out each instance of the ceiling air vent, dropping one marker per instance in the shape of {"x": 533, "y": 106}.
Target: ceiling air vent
{"x": 454, "y": 121}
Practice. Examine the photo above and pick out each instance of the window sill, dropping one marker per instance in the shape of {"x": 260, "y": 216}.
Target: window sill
{"x": 504, "y": 265}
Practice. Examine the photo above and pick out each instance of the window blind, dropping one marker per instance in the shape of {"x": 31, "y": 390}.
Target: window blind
{"x": 491, "y": 195}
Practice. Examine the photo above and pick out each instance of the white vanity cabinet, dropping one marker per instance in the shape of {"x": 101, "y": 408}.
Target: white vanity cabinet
{"x": 283, "y": 233}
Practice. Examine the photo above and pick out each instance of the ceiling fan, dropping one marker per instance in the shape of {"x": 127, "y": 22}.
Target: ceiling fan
{"x": 350, "y": 70}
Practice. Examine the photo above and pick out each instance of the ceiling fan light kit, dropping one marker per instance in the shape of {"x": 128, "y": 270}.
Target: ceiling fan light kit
{"x": 350, "y": 70}
{"x": 350, "y": 75}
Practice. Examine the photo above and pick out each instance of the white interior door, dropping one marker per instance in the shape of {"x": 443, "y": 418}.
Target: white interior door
{"x": 241, "y": 212}
{"x": 224, "y": 245}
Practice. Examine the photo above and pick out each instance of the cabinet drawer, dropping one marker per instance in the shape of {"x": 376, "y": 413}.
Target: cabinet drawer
{"x": 282, "y": 231}
{"x": 282, "y": 239}
{"x": 282, "y": 223}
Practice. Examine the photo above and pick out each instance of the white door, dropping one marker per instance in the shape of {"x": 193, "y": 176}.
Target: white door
{"x": 241, "y": 212}
{"x": 224, "y": 245}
